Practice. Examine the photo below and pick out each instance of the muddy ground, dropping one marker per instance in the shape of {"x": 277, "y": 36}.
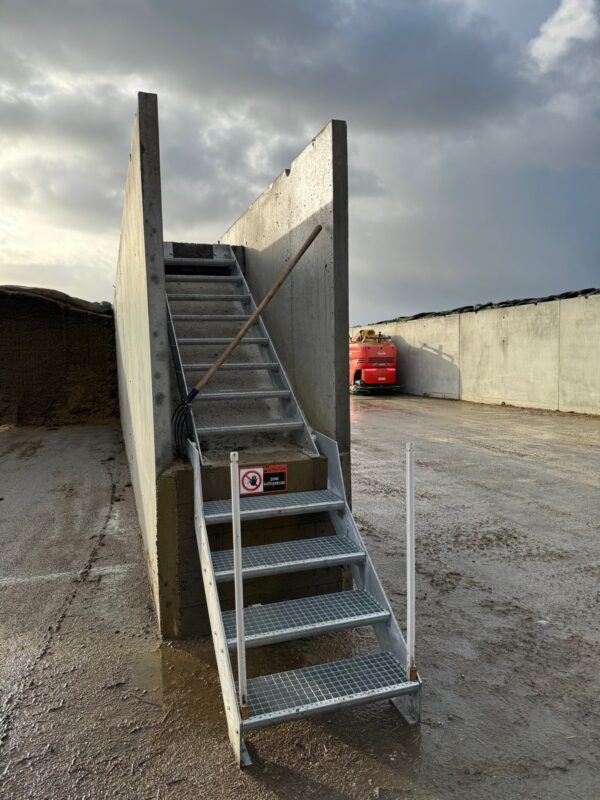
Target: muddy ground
{"x": 508, "y": 613}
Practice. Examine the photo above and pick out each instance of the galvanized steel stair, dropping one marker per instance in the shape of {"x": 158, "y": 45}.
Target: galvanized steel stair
{"x": 286, "y": 695}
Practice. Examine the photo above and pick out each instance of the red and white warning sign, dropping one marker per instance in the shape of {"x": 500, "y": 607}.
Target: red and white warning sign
{"x": 263, "y": 480}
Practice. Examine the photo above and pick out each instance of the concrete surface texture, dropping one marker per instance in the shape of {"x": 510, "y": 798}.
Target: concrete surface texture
{"x": 57, "y": 358}
{"x": 94, "y": 706}
{"x": 537, "y": 355}
{"x": 308, "y": 319}
{"x": 143, "y": 356}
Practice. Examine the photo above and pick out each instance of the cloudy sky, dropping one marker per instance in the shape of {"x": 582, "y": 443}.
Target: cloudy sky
{"x": 474, "y": 135}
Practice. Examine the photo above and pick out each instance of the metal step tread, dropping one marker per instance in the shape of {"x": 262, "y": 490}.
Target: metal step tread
{"x": 300, "y": 692}
{"x": 257, "y": 394}
{"x": 208, "y": 298}
{"x": 223, "y": 340}
{"x": 210, "y": 317}
{"x": 203, "y": 278}
{"x": 264, "y": 506}
{"x": 280, "y": 557}
{"x": 306, "y": 616}
{"x": 174, "y": 261}
{"x": 251, "y": 427}
{"x": 272, "y": 365}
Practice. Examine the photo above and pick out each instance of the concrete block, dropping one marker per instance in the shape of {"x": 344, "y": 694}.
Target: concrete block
{"x": 579, "y": 375}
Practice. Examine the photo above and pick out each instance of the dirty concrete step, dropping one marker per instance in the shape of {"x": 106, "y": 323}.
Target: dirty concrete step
{"x": 270, "y": 365}
{"x": 259, "y": 394}
{"x": 312, "y": 690}
{"x": 250, "y": 427}
{"x": 295, "y": 556}
{"x": 266, "y": 506}
{"x": 307, "y": 616}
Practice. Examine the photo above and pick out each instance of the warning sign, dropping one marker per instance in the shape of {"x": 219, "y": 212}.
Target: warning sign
{"x": 275, "y": 478}
{"x": 263, "y": 480}
{"x": 251, "y": 480}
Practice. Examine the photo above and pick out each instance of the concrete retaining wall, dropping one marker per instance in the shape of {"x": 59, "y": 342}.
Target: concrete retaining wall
{"x": 536, "y": 355}
{"x": 308, "y": 320}
{"x": 141, "y": 327}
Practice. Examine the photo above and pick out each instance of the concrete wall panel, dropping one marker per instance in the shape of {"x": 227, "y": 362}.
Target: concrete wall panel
{"x": 308, "y": 320}
{"x": 579, "y": 379}
{"x": 428, "y": 356}
{"x": 542, "y": 355}
{"x": 141, "y": 327}
{"x": 510, "y": 355}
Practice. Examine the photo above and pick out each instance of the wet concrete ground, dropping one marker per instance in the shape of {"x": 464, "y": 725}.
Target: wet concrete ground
{"x": 508, "y": 613}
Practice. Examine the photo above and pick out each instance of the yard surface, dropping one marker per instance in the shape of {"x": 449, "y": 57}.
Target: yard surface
{"x": 92, "y": 705}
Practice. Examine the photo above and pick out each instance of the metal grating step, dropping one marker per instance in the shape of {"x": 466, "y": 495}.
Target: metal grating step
{"x": 207, "y": 298}
{"x": 209, "y": 318}
{"x": 310, "y": 690}
{"x": 275, "y": 559}
{"x": 214, "y": 317}
{"x": 199, "y": 298}
{"x": 250, "y": 427}
{"x": 272, "y": 365}
{"x": 173, "y": 261}
{"x": 265, "y": 506}
{"x": 203, "y": 278}
{"x": 246, "y": 340}
{"x": 258, "y": 394}
{"x": 307, "y": 616}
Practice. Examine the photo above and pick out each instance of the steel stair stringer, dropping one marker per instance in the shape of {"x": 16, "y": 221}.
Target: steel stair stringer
{"x": 230, "y": 700}
{"x": 388, "y": 633}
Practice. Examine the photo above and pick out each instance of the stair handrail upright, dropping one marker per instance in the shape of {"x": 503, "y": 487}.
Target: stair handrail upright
{"x": 236, "y": 529}
{"x": 223, "y": 659}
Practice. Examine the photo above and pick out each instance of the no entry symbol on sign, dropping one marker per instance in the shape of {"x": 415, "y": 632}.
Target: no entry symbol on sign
{"x": 251, "y": 480}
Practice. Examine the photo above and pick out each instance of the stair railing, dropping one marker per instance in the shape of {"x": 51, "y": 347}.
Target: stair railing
{"x": 232, "y": 713}
{"x": 411, "y": 668}
{"x": 236, "y": 528}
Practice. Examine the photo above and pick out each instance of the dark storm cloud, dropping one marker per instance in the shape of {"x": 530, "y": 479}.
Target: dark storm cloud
{"x": 384, "y": 64}
{"x": 443, "y": 108}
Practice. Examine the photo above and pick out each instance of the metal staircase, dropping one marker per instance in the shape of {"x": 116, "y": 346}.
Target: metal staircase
{"x": 251, "y": 405}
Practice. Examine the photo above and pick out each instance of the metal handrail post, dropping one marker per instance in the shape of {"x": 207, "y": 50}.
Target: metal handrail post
{"x": 236, "y": 527}
{"x": 411, "y": 669}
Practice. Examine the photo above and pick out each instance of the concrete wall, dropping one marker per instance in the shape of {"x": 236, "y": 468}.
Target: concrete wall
{"x": 536, "y": 355}
{"x": 141, "y": 327}
{"x": 57, "y": 359}
{"x": 579, "y": 359}
{"x": 308, "y": 320}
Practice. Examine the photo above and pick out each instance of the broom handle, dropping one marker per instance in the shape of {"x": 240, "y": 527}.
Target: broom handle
{"x": 259, "y": 310}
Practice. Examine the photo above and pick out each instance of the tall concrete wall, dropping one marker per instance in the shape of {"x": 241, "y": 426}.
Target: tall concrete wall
{"x": 141, "y": 327}
{"x": 308, "y": 319}
{"x": 579, "y": 355}
{"x": 536, "y": 355}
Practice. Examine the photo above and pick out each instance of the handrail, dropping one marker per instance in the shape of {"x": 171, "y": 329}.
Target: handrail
{"x": 236, "y": 528}
{"x": 232, "y": 713}
{"x": 411, "y": 668}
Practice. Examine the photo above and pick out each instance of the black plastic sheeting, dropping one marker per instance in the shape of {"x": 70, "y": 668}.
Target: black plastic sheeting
{"x": 504, "y": 304}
